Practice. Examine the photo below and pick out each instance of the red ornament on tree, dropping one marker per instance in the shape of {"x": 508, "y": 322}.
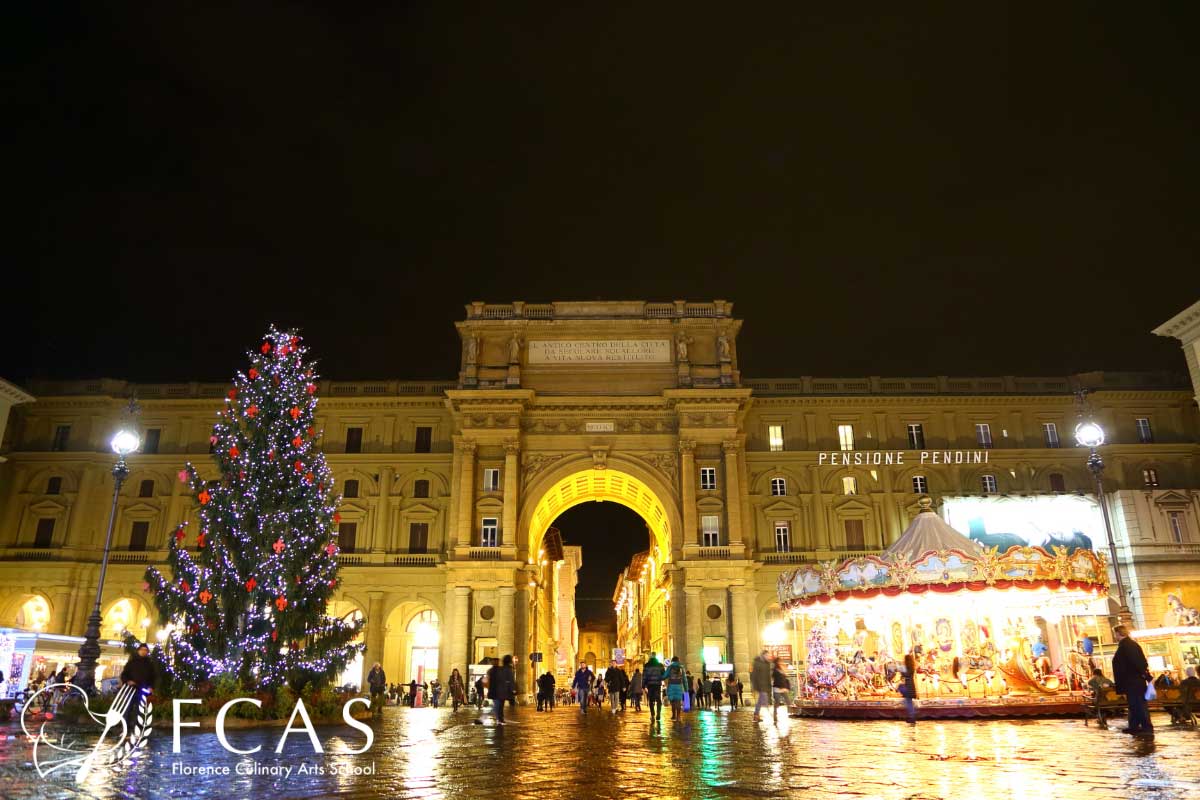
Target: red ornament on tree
{"x": 252, "y": 412}
{"x": 203, "y": 497}
{"x": 200, "y": 539}
{"x": 311, "y": 433}
{"x": 294, "y": 341}
{"x": 242, "y": 474}
{"x": 266, "y": 348}
{"x": 205, "y": 596}
{"x": 295, "y": 412}
{"x": 299, "y": 466}
{"x": 278, "y": 546}
{"x": 274, "y": 636}
{"x": 183, "y": 476}
{"x": 234, "y": 452}
{"x": 212, "y": 440}
{"x": 145, "y": 586}
{"x": 331, "y": 548}
{"x": 270, "y": 455}
{"x": 212, "y": 625}
{"x": 233, "y": 394}
{"x": 281, "y": 603}
{"x": 250, "y": 584}
{"x": 308, "y": 478}
{"x": 187, "y": 587}
{"x": 332, "y": 584}
{"x": 253, "y": 373}
{"x": 179, "y": 534}
{"x": 297, "y": 442}
{"x": 311, "y": 388}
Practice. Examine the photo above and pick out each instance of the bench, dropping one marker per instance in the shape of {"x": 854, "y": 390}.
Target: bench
{"x": 1170, "y": 700}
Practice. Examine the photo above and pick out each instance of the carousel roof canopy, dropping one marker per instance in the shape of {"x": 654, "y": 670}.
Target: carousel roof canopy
{"x": 929, "y": 532}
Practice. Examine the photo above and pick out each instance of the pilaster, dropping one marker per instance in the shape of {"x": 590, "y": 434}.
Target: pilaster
{"x": 512, "y": 471}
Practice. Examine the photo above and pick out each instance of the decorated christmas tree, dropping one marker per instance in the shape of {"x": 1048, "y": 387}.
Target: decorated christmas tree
{"x": 824, "y": 672}
{"x": 248, "y": 591}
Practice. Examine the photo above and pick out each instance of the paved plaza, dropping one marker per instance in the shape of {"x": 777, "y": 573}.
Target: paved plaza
{"x": 432, "y": 753}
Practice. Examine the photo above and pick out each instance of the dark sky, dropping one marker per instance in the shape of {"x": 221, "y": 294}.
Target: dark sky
{"x": 972, "y": 189}
{"x": 609, "y": 534}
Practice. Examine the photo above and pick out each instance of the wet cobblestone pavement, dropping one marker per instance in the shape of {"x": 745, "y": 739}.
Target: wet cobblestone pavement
{"x": 432, "y": 753}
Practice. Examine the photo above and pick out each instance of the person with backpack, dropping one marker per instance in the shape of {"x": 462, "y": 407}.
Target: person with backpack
{"x": 676, "y": 678}
{"x": 652, "y": 678}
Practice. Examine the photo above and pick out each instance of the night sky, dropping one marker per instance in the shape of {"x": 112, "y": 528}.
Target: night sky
{"x": 609, "y": 534}
{"x": 974, "y": 190}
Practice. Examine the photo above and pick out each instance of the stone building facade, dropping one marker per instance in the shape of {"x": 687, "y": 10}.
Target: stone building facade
{"x": 450, "y": 486}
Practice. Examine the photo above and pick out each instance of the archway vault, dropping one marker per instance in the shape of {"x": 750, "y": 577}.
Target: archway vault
{"x": 587, "y": 484}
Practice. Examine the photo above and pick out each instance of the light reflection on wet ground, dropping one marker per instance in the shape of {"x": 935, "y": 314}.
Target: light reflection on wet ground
{"x": 431, "y": 753}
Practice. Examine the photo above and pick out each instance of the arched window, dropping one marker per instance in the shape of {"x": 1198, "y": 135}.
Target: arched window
{"x": 426, "y": 637}
{"x": 34, "y": 614}
{"x": 778, "y": 487}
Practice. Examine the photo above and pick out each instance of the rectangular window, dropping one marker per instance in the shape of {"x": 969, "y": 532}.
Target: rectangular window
{"x": 1178, "y": 526}
{"x": 491, "y": 480}
{"x": 916, "y": 436}
{"x": 983, "y": 434}
{"x": 138, "y": 535}
{"x": 62, "y": 435}
{"x": 1050, "y": 434}
{"x": 353, "y": 440}
{"x": 421, "y": 488}
{"x": 856, "y": 537}
{"x": 489, "y": 533}
{"x": 778, "y": 487}
{"x": 1150, "y": 476}
{"x": 849, "y": 485}
{"x": 846, "y": 437}
{"x": 783, "y": 537}
{"x": 146, "y": 489}
{"x": 54, "y": 485}
{"x": 418, "y": 537}
{"x": 708, "y": 477}
{"x": 920, "y": 485}
{"x": 350, "y": 488}
{"x": 1144, "y": 434}
{"x": 710, "y": 526}
{"x": 347, "y": 534}
{"x": 988, "y": 483}
{"x": 775, "y": 437}
{"x": 150, "y": 440}
{"x": 44, "y": 536}
{"x": 1057, "y": 482}
{"x": 424, "y": 441}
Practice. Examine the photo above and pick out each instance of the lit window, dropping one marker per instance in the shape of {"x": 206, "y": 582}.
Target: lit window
{"x": 491, "y": 480}
{"x": 849, "y": 485}
{"x": 775, "y": 436}
{"x": 783, "y": 537}
{"x": 1144, "y": 434}
{"x": 1050, "y": 434}
{"x": 1150, "y": 476}
{"x": 1057, "y": 482}
{"x": 710, "y": 525}
{"x": 778, "y": 487}
{"x": 489, "y": 533}
{"x": 920, "y": 485}
{"x": 846, "y": 437}
{"x": 983, "y": 434}
{"x": 708, "y": 477}
{"x": 1178, "y": 526}
{"x": 916, "y": 436}
{"x": 989, "y": 483}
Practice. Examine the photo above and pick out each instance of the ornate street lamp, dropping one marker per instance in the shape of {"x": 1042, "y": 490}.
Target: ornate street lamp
{"x": 1090, "y": 435}
{"x": 124, "y": 442}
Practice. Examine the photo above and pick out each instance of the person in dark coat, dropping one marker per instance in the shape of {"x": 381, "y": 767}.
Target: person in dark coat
{"x": 1131, "y": 673}
{"x": 377, "y": 681}
{"x": 139, "y": 672}
{"x": 501, "y": 687}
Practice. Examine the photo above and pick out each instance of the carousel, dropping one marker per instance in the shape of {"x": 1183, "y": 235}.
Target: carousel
{"x": 988, "y": 633}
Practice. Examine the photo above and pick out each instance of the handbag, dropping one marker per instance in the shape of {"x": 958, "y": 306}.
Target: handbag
{"x": 1150, "y": 692}
{"x": 687, "y": 701}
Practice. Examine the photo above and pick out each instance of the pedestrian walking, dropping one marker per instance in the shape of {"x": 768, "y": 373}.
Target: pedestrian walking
{"x": 781, "y": 688}
{"x": 908, "y": 688}
{"x": 740, "y": 687}
{"x": 1131, "y": 674}
{"x": 457, "y": 689}
{"x": 581, "y": 684}
{"x": 702, "y": 692}
{"x": 377, "y": 680}
{"x": 436, "y": 687}
{"x": 612, "y": 684}
{"x": 731, "y": 684}
{"x": 501, "y": 687}
{"x": 479, "y": 687}
{"x": 652, "y": 678}
{"x": 689, "y": 688}
{"x": 715, "y": 692}
{"x": 760, "y": 682}
{"x": 635, "y": 689}
{"x": 139, "y": 673}
{"x": 676, "y": 688}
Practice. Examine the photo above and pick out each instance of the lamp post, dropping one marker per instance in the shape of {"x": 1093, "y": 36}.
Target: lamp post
{"x": 123, "y": 443}
{"x": 1091, "y": 436}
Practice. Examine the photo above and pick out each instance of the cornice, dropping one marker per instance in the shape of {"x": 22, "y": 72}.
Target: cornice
{"x": 1184, "y": 326}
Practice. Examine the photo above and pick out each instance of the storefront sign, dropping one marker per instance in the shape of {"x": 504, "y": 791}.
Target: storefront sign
{"x": 876, "y": 458}
{"x": 618, "y": 656}
{"x": 599, "y": 351}
{"x": 781, "y": 651}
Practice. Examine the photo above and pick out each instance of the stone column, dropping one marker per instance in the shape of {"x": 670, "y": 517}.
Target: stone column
{"x": 521, "y": 636}
{"x": 820, "y": 533}
{"x": 695, "y": 631}
{"x": 81, "y": 509}
{"x": 375, "y": 634}
{"x": 512, "y": 471}
{"x": 733, "y": 496}
{"x": 383, "y": 512}
{"x": 460, "y": 644}
{"x": 505, "y": 635}
{"x": 466, "y": 493}
{"x": 687, "y": 478}
{"x": 60, "y": 621}
{"x": 742, "y": 622}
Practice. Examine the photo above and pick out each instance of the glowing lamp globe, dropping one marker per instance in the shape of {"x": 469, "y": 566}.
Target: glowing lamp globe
{"x": 1089, "y": 434}
{"x": 125, "y": 442}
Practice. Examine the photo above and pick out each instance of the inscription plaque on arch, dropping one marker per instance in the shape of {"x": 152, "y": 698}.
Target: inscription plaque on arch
{"x": 599, "y": 351}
